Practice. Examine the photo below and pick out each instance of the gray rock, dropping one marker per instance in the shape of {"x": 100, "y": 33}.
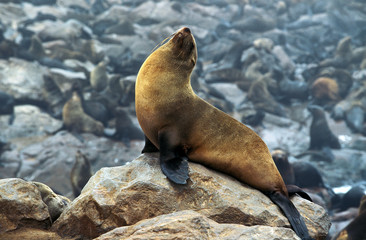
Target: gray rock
{"x": 65, "y": 79}
{"x": 68, "y": 31}
{"x": 30, "y": 122}
{"x": 56, "y": 204}
{"x": 22, "y": 79}
{"x": 192, "y": 225}
{"x": 50, "y": 161}
{"x": 11, "y": 12}
{"x": 21, "y": 205}
{"x": 122, "y": 196}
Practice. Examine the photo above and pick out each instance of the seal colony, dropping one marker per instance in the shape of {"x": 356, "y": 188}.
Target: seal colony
{"x": 184, "y": 127}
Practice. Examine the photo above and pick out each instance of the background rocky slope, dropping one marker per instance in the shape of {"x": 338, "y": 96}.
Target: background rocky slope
{"x": 48, "y": 46}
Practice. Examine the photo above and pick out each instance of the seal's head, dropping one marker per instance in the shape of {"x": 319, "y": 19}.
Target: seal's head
{"x": 184, "y": 46}
{"x": 180, "y": 50}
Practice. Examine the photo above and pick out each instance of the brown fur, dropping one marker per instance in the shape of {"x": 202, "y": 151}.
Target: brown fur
{"x": 80, "y": 173}
{"x": 356, "y": 229}
{"x": 325, "y": 89}
{"x": 208, "y": 135}
{"x": 75, "y": 119}
{"x": 280, "y": 158}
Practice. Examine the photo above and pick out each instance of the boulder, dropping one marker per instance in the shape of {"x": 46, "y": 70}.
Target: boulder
{"x": 50, "y": 161}
{"x": 123, "y": 196}
{"x": 21, "y": 205}
{"x": 30, "y": 121}
{"x": 189, "y": 224}
{"x": 22, "y": 79}
{"x": 30, "y": 234}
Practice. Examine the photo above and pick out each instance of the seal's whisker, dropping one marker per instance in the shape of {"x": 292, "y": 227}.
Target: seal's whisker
{"x": 162, "y": 43}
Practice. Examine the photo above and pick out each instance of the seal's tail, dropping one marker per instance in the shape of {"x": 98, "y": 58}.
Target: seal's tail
{"x": 292, "y": 214}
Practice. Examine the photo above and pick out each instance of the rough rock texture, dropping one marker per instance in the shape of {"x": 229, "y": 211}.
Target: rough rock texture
{"x": 46, "y": 46}
{"x": 192, "y": 225}
{"x": 21, "y": 205}
{"x": 30, "y": 234}
{"x": 121, "y": 196}
{"x": 22, "y": 79}
{"x": 30, "y": 121}
{"x": 51, "y": 160}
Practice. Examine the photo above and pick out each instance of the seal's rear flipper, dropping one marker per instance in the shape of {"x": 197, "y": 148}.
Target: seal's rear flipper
{"x": 293, "y": 189}
{"x": 173, "y": 161}
{"x": 290, "y": 211}
{"x": 149, "y": 147}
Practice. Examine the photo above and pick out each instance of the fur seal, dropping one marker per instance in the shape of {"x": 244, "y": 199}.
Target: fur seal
{"x": 322, "y": 139}
{"x": 263, "y": 100}
{"x": 325, "y": 90}
{"x": 98, "y": 77}
{"x": 56, "y": 204}
{"x": 280, "y": 157}
{"x": 185, "y": 127}
{"x": 7, "y": 105}
{"x": 76, "y": 120}
{"x": 80, "y": 173}
{"x": 307, "y": 175}
{"x": 351, "y": 198}
{"x": 125, "y": 129}
{"x": 356, "y": 228}
{"x": 320, "y": 134}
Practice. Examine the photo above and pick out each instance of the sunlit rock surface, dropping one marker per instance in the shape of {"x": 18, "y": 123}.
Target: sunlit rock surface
{"x": 193, "y": 225}
{"x": 121, "y": 196}
{"x": 21, "y": 205}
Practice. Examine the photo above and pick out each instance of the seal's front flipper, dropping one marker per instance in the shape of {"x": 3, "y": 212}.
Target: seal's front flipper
{"x": 173, "y": 161}
{"x": 175, "y": 169}
{"x": 149, "y": 147}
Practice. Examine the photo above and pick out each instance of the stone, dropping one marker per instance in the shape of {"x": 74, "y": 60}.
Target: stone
{"x": 22, "y": 79}
{"x": 50, "y": 161}
{"x": 29, "y": 122}
{"x": 56, "y": 204}
{"x": 122, "y": 196}
{"x": 68, "y": 30}
{"x": 21, "y": 205}
{"x": 30, "y": 234}
{"x": 189, "y": 224}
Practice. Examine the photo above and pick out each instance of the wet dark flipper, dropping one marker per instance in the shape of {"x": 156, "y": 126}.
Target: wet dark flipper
{"x": 173, "y": 161}
{"x": 175, "y": 169}
{"x": 293, "y": 189}
{"x": 292, "y": 214}
{"x": 149, "y": 147}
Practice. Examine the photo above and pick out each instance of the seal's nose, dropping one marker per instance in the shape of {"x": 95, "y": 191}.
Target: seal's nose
{"x": 186, "y": 30}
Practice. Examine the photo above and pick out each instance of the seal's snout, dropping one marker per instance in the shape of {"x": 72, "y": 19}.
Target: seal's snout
{"x": 186, "y": 30}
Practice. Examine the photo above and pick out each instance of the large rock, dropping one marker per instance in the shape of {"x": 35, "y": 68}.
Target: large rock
{"x": 30, "y": 234}
{"x": 29, "y": 122}
{"x": 21, "y": 205}
{"x": 122, "y": 196}
{"x": 22, "y": 79}
{"x": 192, "y": 225}
{"x": 51, "y": 160}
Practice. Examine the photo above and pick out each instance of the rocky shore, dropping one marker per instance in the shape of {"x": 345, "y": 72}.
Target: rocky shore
{"x": 136, "y": 201}
{"x": 262, "y": 62}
